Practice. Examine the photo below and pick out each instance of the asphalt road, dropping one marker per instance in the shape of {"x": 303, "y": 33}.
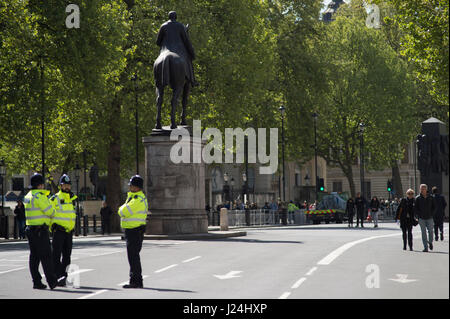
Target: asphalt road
{"x": 290, "y": 262}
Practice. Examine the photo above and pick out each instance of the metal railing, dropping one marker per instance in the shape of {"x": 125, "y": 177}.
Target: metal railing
{"x": 258, "y": 217}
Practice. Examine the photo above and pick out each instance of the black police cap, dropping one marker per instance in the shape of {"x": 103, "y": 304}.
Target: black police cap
{"x": 36, "y": 180}
{"x": 136, "y": 180}
{"x": 65, "y": 179}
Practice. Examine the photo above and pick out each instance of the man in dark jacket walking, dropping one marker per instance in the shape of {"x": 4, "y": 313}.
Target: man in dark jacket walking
{"x": 360, "y": 203}
{"x": 438, "y": 217}
{"x": 19, "y": 211}
{"x": 424, "y": 209}
{"x": 350, "y": 210}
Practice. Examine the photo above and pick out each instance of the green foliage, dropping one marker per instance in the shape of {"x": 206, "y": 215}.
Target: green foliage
{"x": 424, "y": 42}
{"x": 251, "y": 58}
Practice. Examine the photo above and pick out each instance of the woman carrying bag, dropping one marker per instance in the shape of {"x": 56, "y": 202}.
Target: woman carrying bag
{"x": 405, "y": 213}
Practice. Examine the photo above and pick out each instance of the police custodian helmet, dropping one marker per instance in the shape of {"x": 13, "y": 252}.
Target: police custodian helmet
{"x": 36, "y": 180}
{"x": 137, "y": 180}
{"x": 65, "y": 179}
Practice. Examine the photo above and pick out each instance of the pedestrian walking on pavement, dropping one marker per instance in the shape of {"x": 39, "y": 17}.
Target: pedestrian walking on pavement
{"x": 105, "y": 215}
{"x": 424, "y": 209}
{"x": 38, "y": 214}
{"x": 63, "y": 224}
{"x": 350, "y": 210}
{"x": 439, "y": 213}
{"x": 374, "y": 207}
{"x": 19, "y": 211}
{"x": 405, "y": 214}
{"x": 360, "y": 203}
{"x": 133, "y": 218}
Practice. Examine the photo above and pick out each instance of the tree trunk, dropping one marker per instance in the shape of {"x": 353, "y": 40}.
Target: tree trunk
{"x": 397, "y": 181}
{"x": 113, "y": 185}
{"x": 348, "y": 172}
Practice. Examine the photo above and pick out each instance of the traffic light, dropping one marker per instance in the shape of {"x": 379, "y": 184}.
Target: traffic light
{"x": 389, "y": 186}
{"x": 321, "y": 185}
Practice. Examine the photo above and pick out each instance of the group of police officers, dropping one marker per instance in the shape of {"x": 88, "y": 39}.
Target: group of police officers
{"x": 57, "y": 215}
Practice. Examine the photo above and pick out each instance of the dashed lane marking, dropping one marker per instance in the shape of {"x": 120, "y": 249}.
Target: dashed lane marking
{"x": 94, "y": 294}
{"x": 310, "y": 272}
{"x": 11, "y": 270}
{"x": 285, "y": 295}
{"x": 191, "y": 259}
{"x": 165, "y": 268}
{"x": 298, "y": 283}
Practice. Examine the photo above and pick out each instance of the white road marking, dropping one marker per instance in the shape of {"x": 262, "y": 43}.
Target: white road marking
{"x": 94, "y": 294}
{"x": 313, "y": 269}
{"x": 285, "y": 295}
{"x": 191, "y": 259}
{"x": 104, "y": 254}
{"x": 298, "y": 283}
{"x": 402, "y": 278}
{"x": 79, "y": 271}
{"x": 229, "y": 275}
{"x": 339, "y": 251}
{"x": 165, "y": 268}
{"x": 126, "y": 282}
{"x": 6, "y": 271}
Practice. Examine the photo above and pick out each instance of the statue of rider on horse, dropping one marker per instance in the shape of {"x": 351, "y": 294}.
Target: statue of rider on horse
{"x": 173, "y": 67}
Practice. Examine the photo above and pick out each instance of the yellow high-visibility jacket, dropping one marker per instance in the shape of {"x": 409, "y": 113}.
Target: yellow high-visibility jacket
{"x": 38, "y": 208}
{"x": 134, "y": 212}
{"x": 65, "y": 214}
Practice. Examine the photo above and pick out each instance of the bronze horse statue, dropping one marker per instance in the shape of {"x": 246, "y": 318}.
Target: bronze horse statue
{"x": 173, "y": 67}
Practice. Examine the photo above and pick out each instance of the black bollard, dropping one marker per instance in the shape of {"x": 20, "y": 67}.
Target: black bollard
{"x": 247, "y": 217}
{"x": 284, "y": 216}
{"x": 77, "y": 228}
{"x": 94, "y": 218}
{"x": 6, "y": 227}
{"x": 16, "y": 226}
{"x": 85, "y": 225}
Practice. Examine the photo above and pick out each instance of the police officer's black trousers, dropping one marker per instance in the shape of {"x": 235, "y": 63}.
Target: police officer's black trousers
{"x": 62, "y": 246}
{"x": 134, "y": 238}
{"x": 360, "y": 216}
{"x": 40, "y": 252}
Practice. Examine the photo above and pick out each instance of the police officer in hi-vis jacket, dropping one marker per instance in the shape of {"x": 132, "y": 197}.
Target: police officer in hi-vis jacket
{"x": 62, "y": 227}
{"x": 39, "y": 212}
{"x": 133, "y": 215}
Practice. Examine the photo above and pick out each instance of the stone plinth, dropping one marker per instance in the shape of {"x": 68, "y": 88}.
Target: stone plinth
{"x": 176, "y": 191}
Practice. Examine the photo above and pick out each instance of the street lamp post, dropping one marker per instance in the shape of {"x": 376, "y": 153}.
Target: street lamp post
{"x": 282, "y": 111}
{"x": 225, "y": 187}
{"x": 244, "y": 188}
{"x": 77, "y": 179}
{"x": 231, "y": 192}
{"x": 84, "y": 172}
{"x": 41, "y": 97}
{"x": 361, "y": 146}
{"x": 315, "y": 154}
{"x": 415, "y": 162}
{"x": 2, "y": 177}
{"x": 136, "y": 116}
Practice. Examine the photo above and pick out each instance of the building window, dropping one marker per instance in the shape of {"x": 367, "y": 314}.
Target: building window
{"x": 337, "y": 186}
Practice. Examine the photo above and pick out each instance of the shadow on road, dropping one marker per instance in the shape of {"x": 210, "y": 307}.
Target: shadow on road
{"x": 258, "y": 241}
{"x": 92, "y": 244}
{"x": 365, "y": 228}
{"x": 168, "y": 290}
